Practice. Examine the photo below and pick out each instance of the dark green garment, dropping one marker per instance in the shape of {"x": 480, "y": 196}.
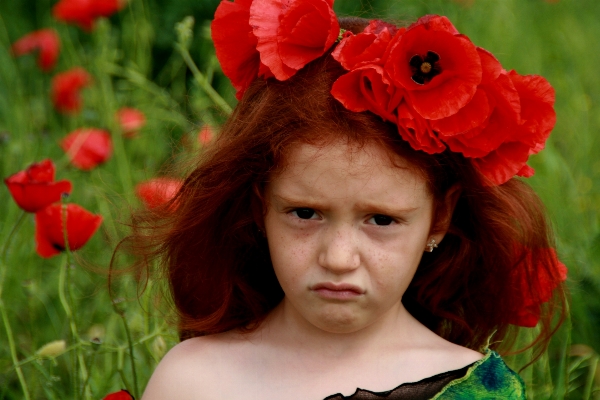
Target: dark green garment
{"x": 488, "y": 378}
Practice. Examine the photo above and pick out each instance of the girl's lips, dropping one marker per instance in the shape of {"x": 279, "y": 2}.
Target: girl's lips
{"x": 338, "y": 291}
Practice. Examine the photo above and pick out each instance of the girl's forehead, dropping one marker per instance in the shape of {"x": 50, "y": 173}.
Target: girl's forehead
{"x": 350, "y": 168}
{"x": 365, "y": 157}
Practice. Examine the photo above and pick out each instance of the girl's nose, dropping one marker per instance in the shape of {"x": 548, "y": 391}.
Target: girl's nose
{"x": 340, "y": 251}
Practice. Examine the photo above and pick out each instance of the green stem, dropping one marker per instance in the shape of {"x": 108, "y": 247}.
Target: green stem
{"x": 10, "y": 236}
{"x": 13, "y": 351}
{"x": 201, "y": 80}
{"x": 109, "y": 102}
{"x": 87, "y": 380}
{"x": 120, "y": 357}
{"x": 5, "y": 320}
{"x": 64, "y": 281}
{"x": 131, "y": 358}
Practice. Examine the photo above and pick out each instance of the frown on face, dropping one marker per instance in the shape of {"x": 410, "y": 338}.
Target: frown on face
{"x": 346, "y": 229}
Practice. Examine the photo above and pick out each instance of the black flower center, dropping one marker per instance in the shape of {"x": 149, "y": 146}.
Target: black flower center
{"x": 424, "y": 69}
{"x": 58, "y": 247}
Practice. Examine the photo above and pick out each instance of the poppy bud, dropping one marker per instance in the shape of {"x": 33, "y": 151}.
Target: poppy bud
{"x": 52, "y": 349}
{"x": 159, "y": 347}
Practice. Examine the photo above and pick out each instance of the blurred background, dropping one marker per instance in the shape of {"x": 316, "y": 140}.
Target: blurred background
{"x": 63, "y": 336}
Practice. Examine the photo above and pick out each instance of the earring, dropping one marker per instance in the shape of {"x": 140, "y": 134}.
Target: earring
{"x": 431, "y": 245}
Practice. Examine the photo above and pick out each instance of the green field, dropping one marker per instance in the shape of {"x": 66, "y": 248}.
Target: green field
{"x": 139, "y": 58}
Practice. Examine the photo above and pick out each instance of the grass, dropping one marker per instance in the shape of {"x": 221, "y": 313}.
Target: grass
{"x": 111, "y": 346}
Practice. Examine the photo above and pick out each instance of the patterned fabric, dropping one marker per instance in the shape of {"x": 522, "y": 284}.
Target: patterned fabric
{"x": 489, "y": 378}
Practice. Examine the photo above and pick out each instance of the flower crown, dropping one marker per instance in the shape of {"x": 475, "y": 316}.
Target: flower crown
{"x": 440, "y": 89}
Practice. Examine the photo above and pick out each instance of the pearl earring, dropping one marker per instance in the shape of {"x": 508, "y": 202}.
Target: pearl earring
{"x": 431, "y": 245}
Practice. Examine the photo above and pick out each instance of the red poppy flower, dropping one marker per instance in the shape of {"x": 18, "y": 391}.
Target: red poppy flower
{"x": 131, "y": 121}
{"x": 34, "y": 188}
{"x": 158, "y": 191}
{"x": 66, "y": 87}
{"x": 489, "y": 119}
{"x": 46, "y": 41}
{"x": 49, "y": 232}
{"x": 417, "y": 131}
{"x": 271, "y": 37}
{"x": 120, "y": 395}
{"x": 87, "y": 147}
{"x": 367, "y": 47}
{"x": 235, "y": 44}
{"x": 292, "y": 33}
{"x": 84, "y": 12}
{"x": 206, "y": 135}
{"x": 538, "y": 273}
{"x": 439, "y": 68}
{"x": 367, "y": 88}
{"x": 522, "y": 117}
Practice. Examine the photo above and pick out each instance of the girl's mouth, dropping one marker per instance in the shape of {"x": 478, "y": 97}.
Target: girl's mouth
{"x": 337, "y": 291}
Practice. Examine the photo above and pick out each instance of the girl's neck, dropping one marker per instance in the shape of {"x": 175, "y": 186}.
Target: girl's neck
{"x": 287, "y": 328}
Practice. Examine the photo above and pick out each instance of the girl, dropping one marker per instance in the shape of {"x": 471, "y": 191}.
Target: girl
{"x": 356, "y": 231}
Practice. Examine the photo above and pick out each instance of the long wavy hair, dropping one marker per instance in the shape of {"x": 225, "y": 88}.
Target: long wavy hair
{"x": 216, "y": 261}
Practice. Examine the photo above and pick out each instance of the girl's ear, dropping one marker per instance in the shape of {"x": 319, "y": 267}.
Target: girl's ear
{"x": 444, "y": 212}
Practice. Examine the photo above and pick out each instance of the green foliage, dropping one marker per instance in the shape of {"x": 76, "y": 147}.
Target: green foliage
{"x": 137, "y": 59}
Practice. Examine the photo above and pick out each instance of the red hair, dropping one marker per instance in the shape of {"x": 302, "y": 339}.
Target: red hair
{"x": 217, "y": 262}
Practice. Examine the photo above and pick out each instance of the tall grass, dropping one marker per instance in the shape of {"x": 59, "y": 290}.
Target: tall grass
{"x": 112, "y": 345}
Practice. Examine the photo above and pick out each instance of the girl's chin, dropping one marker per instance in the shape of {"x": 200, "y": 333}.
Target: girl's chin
{"x": 343, "y": 322}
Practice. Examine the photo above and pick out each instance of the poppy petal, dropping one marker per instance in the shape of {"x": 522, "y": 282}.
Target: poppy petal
{"x": 235, "y": 44}
{"x": 66, "y": 87}
{"x": 158, "y": 191}
{"x": 375, "y": 92}
{"x": 417, "y": 131}
{"x": 538, "y": 273}
{"x": 120, "y": 395}
{"x": 363, "y": 49}
{"x": 471, "y": 116}
{"x": 49, "y": 233}
{"x": 503, "y": 163}
{"x": 131, "y": 120}
{"x": 291, "y": 34}
{"x": 84, "y": 12}
{"x": 46, "y": 41}
{"x": 87, "y": 147}
{"x": 34, "y": 188}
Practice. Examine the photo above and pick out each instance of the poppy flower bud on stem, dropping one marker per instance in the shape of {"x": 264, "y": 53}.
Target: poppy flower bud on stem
{"x": 184, "y": 30}
{"x": 52, "y": 349}
{"x": 96, "y": 343}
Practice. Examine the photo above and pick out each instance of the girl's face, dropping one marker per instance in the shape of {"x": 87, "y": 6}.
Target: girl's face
{"x": 346, "y": 231}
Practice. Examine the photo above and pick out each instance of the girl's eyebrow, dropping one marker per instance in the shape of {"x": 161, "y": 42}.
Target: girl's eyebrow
{"x": 371, "y": 207}
{"x": 384, "y": 208}
{"x": 299, "y": 201}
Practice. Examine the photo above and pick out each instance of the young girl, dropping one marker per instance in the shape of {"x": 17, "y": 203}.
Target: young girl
{"x": 356, "y": 231}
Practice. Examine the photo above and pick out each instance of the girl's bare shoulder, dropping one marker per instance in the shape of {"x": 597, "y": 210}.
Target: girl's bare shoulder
{"x": 195, "y": 368}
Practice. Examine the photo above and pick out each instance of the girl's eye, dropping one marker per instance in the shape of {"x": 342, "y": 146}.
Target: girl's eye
{"x": 382, "y": 219}
{"x": 304, "y": 213}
